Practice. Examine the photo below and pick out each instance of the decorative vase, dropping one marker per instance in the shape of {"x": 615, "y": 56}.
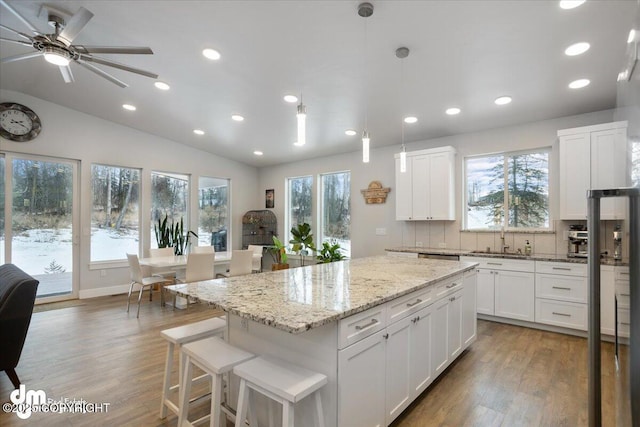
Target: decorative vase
{"x": 276, "y": 267}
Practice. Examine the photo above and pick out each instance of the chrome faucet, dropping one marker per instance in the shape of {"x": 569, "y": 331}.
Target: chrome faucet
{"x": 503, "y": 247}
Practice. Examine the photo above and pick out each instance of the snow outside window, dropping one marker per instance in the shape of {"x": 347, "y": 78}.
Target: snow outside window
{"x": 299, "y": 203}
{"x": 336, "y": 210}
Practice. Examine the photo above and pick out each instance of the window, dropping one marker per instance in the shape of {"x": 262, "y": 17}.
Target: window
{"x": 115, "y": 215}
{"x": 298, "y": 203}
{"x": 169, "y": 196}
{"x": 336, "y": 210}
{"x": 213, "y": 213}
{"x": 635, "y": 162}
{"x": 508, "y": 190}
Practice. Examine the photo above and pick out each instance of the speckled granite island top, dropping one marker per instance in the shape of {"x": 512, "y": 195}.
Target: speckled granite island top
{"x": 303, "y": 298}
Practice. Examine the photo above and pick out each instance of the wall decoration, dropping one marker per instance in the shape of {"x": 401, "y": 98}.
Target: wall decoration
{"x": 375, "y": 193}
{"x": 269, "y": 199}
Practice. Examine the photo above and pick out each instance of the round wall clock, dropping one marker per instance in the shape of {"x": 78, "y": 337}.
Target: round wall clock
{"x": 18, "y": 123}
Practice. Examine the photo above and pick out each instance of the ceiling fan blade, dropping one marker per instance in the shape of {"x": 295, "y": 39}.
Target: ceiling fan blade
{"x": 114, "y": 64}
{"x": 16, "y": 41}
{"x": 133, "y": 50}
{"x": 20, "y": 57}
{"x": 67, "y": 75}
{"x": 74, "y": 26}
{"x": 20, "y": 17}
{"x": 17, "y": 32}
{"x": 101, "y": 73}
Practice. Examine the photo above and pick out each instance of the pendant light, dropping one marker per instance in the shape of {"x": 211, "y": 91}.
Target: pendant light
{"x": 365, "y": 10}
{"x": 301, "y": 115}
{"x": 402, "y": 53}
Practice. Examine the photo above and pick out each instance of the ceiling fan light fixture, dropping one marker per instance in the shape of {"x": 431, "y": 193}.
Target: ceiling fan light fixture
{"x": 56, "y": 56}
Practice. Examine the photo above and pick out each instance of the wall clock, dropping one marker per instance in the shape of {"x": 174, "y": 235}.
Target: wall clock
{"x": 18, "y": 123}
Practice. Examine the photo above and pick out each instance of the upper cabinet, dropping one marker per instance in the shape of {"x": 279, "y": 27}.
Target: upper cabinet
{"x": 592, "y": 157}
{"x": 426, "y": 190}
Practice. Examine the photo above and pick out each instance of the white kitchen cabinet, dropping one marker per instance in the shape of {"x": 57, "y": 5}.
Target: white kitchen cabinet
{"x": 469, "y": 313}
{"x": 515, "y": 295}
{"x": 486, "y": 294}
{"x": 623, "y": 295}
{"x": 439, "y": 341}
{"x": 607, "y": 300}
{"x": 420, "y": 358}
{"x": 454, "y": 327}
{"x": 592, "y": 157}
{"x": 361, "y": 369}
{"x": 426, "y": 191}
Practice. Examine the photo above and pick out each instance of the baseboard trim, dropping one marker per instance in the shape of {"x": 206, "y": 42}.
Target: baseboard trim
{"x": 103, "y": 292}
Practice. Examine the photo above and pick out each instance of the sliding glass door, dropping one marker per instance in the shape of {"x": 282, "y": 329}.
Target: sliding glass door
{"x": 40, "y": 230}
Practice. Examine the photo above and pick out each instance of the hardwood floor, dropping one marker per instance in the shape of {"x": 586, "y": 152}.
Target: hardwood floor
{"x": 511, "y": 376}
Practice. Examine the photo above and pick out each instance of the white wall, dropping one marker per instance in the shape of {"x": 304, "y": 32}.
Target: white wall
{"x": 70, "y": 134}
{"x": 366, "y": 218}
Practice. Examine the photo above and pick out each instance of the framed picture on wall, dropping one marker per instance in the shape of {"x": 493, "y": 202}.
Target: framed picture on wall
{"x": 268, "y": 199}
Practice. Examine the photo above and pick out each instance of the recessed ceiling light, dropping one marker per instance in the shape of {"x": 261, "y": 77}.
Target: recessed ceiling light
{"x": 632, "y": 36}
{"x": 570, "y": 4}
{"x": 129, "y": 107}
{"x": 198, "y": 131}
{"x": 211, "y": 54}
{"x": 258, "y": 153}
{"x": 291, "y": 98}
{"x": 162, "y": 85}
{"x": 503, "y": 100}
{"x": 580, "y": 83}
{"x": 350, "y": 132}
{"x": 577, "y": 49}
{"x": 453, "y": 111}
{"x": 410, "y": 119}
{"x": 237, "y": 117}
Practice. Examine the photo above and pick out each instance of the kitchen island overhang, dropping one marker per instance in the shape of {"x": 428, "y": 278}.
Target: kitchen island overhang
{"x": 316, "y": 316}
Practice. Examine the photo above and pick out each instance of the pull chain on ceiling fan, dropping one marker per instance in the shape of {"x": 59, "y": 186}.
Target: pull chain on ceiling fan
{"x": 57, "y": 48}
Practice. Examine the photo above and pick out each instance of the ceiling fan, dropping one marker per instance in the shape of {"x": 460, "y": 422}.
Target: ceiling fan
{"x": 58, "y": 50}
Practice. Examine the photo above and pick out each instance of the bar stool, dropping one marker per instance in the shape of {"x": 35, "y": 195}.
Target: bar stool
{"x": 179, "y": 336}
{"x": 280, "y": 381}
{"x": 216, "y": 358}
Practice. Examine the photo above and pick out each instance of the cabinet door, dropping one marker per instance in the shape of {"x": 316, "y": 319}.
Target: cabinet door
{"x": 420, "y": 185}
{"x": 420, "y": 351}
{"x": 469, "y": 315}
{"x": 575, "y": 156}
{"x": 608, "y": 168}
{"x": 398, "y": 374}
{"x": 607, "y": 301}
{"x": 403, "y": 192}
{"x": 440, "y": 336}
{"x": 485, "y": 298}
{"x": 454, "y": 328}
{"x": 515, "y": 295}
{"x": 441, "y": 206}
{"x": 361, "y": 383}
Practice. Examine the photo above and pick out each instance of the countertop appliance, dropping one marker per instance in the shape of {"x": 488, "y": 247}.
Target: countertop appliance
{"x": 578, "y": 243}
{"x": 617, "y": 244}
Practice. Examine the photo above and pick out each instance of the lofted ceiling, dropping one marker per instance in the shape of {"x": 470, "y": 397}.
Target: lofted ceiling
{"x": 463, "y": 54}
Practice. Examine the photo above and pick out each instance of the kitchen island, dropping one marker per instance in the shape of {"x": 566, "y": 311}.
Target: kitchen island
{"x": 380, "y": 328}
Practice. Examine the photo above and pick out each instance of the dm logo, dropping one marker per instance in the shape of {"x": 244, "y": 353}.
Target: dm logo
{"x": 25, "y": 400}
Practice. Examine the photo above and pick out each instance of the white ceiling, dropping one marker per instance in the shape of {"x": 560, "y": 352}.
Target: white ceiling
{"x": 463, "y": 53}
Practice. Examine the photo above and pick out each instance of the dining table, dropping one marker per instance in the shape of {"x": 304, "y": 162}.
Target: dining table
{"x": 180, "y": 261}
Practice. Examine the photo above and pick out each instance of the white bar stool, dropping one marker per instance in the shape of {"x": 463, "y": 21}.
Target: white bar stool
{"x": 215, "y": 357}
{"x": 177, "y": 337}
{"x": 280, "y": 381}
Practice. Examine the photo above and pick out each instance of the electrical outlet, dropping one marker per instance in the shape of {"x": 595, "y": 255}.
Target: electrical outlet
{"x": 419, "y": 244}
{"x": 442, "y": 245}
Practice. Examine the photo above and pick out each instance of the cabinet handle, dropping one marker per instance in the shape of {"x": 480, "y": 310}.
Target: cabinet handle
{"x": 560, "y": 314}
{"x": 494, "y": 263}
{"x": 625, "y": 323}
{"x": 495, "y": 272}
{"x": 385, "y": 336}
{"x": 368, "y": 325}
{"x": 418, "y": 301}
{"x": 561, "y": 268}
{"x": 454, "y": 284}
{"x": 625, "y": 295}
{"x": 452, "y": 299}
{"x": 561, "y": 287}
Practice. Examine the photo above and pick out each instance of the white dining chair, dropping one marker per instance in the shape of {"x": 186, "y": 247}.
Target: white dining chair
{"x": 202, "y": 250}
{"x": 257, "y": 262}
{"x": 199, "y": 267}
{"x": 162, "y": 253}
{"x": 137, "y": 278}
{"x": 241, "y": 263}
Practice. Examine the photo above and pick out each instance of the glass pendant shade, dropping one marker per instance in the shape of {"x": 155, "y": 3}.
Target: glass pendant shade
{"x": 365, "y": 147}
{"x": 403, "y": 161}
{"x": 302, "y": 116}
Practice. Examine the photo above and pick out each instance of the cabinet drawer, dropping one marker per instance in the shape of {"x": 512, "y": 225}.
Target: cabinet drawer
{"x": 504, "y": 264}
{"x": 447, "y": 286}
{"x": 402, "y": 254}
{"x": 564, "y": 268}
{"x": 354, "y": 328}
{"x": 403, "y": 306}
{"x": 623, "y": 294}
{"x": 622, "y": 274}
{"x": 559, "y": 313}
{"x": 624, "y": 322}
{"x": 563, "y": 288}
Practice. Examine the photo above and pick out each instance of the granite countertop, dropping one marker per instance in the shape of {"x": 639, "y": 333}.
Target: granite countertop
{"x": 299, "y": 299}
{"x": 534, "y": 257}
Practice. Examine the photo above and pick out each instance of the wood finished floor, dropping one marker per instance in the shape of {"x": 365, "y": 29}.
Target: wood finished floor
{"x": 511, "y": 376}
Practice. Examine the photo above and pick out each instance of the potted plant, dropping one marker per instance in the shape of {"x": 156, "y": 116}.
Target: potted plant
{"x": 330, "y": 252}
{"x": 173, "y": 235}
{"x": 279, "y": 254}
{"x": 302, "y": 240}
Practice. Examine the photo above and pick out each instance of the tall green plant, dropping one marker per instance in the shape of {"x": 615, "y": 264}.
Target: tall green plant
{"x": 329, "y": 252}
{"x": 279, "y": 251}
{"x": 302, "y": 240}
{"x": 173, "y": 235}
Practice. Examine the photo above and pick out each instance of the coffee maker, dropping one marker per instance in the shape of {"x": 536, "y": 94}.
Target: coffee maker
{"x": 578, "y": 239}
{"x": 617, "y": 244}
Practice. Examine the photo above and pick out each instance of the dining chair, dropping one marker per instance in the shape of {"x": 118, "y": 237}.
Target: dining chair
{"x": 257, "y": 262}
{"x": 199, "y": 267}
{"x": 241, "y": 263}
{"x": 163, "y": 252}
{"x": 137, "y": 278}
{"x": 202, "y": 250}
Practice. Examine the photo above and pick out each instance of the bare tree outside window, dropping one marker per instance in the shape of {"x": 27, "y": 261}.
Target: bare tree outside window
{"x": 213, "y": 213}
{"x": 299, "y": 203}
{"x": 169, "y": 196}
{"x": 336, "y": 209}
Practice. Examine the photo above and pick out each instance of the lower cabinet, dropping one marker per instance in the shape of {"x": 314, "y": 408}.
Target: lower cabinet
{"x": 515, "y": 295}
